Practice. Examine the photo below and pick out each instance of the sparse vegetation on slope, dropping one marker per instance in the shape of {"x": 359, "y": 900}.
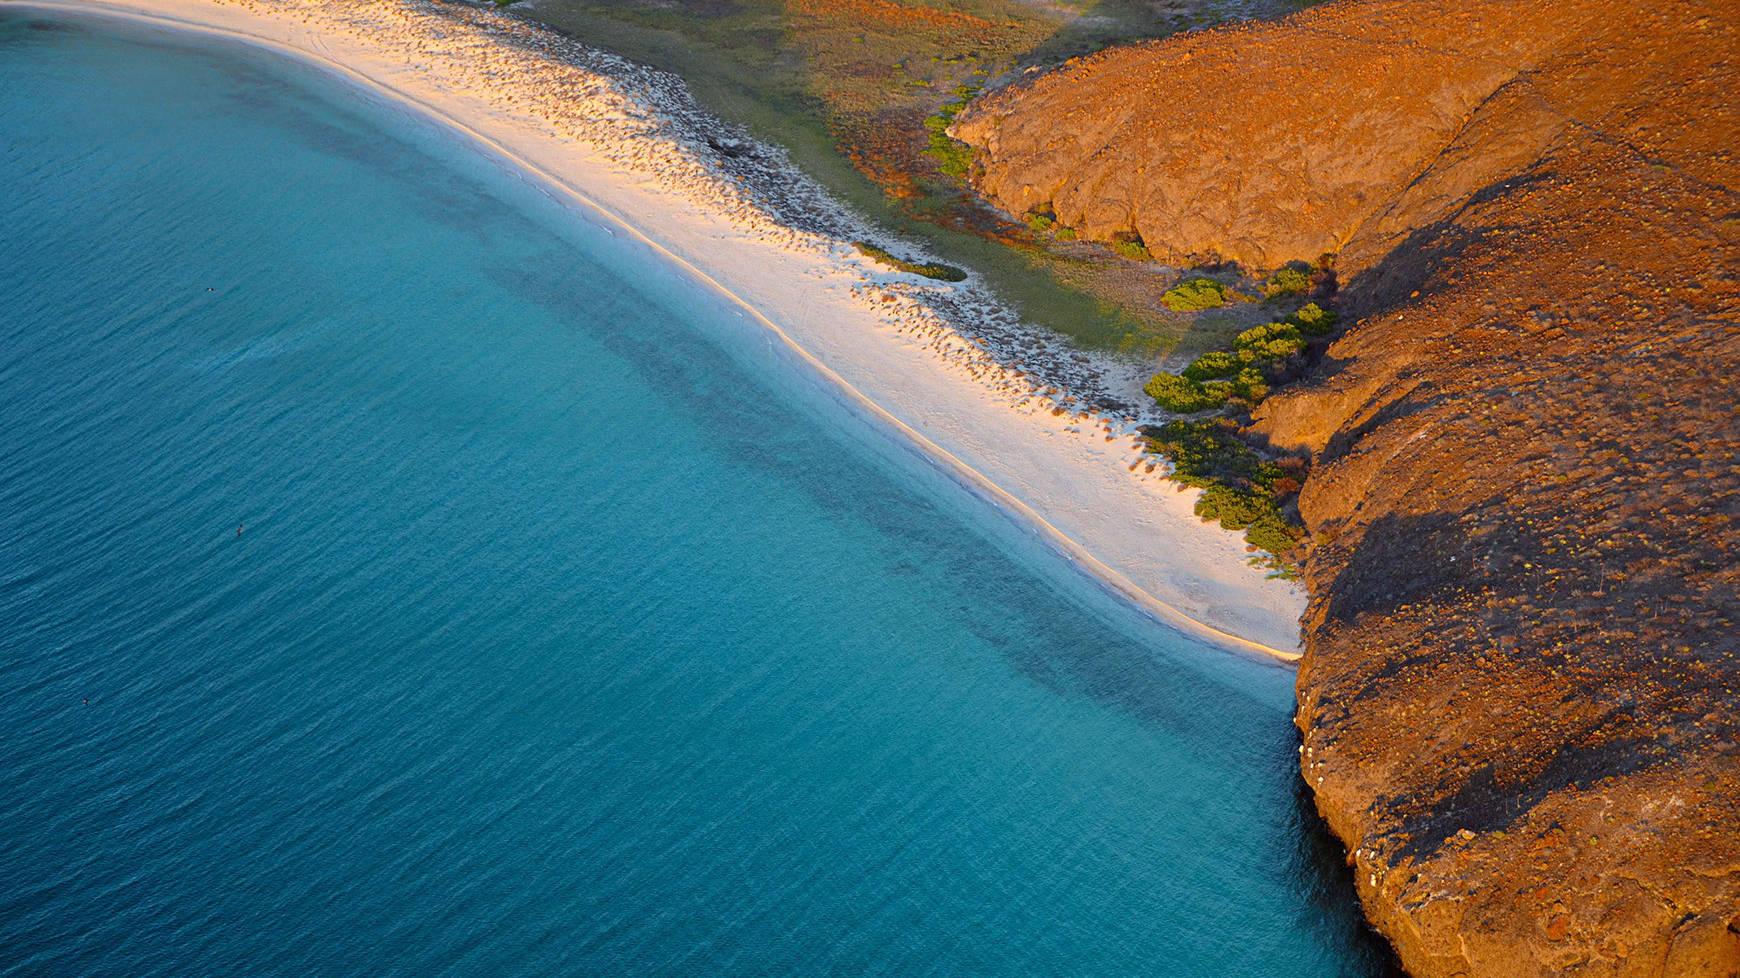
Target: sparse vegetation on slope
{"x": 1239, "y": 492}
{"x": 862, "y": 93}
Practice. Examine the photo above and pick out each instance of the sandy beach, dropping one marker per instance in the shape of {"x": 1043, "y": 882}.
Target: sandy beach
{"x": 1043, "y": 430}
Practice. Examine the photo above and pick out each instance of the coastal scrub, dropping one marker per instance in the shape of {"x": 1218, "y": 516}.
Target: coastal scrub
{"x": 1193, "y": 295}
{"x": 1241, "y": 489}
{"x": 935, "y": 270}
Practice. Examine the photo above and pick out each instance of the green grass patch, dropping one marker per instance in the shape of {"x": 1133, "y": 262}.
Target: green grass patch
{"x": 935, "y": 270}
{"x": 952, "y": 156}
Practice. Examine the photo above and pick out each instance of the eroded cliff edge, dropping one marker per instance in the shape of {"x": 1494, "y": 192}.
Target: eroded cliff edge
{"x": 1521, "y": 694}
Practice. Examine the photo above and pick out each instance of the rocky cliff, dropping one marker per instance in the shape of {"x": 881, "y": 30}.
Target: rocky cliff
{"x": 1521, "y": 696}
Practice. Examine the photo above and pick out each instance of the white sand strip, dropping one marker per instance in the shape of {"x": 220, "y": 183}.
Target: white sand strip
{"x": 946, "y": 365}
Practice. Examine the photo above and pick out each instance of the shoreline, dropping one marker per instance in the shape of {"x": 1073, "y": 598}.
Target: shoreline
{"x": 1005, "y": 409}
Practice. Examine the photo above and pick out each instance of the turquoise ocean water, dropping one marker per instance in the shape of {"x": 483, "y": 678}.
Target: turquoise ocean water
{"x": 571, "y": 628}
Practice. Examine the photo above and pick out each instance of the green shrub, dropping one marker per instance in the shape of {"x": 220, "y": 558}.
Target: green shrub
{"x": 1266, "y": 333}
{"x": 1250, "y": 385}
{"x": 935, "y": 270}
{"x": 1066, "y": 234}
{"x": 1313, "y": 320}
{"x": 1238, "y": 485}
{"x": 1217, "y": 363}
{"x": 1194, "y": 294}
{"x": 1294, "y": 279}
{"x": 1133, "y": 250}
{"x": 952, "y": 156}
{"x": 1270, "y": 351}
{"x": 1274, "y": 534}
{"x": 1039, "y": 223}
{"x": 1202, "y": 451}
{"x": 1269, "y": 343}
{"x": 1234, "y": 508}
{"x": 1183, "y": 395}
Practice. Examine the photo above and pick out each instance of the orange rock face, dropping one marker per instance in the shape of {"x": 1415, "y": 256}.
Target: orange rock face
{"x": 1521, "y": 695}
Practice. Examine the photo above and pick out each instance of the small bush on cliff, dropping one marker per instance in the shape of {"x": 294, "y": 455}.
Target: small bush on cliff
{"x": 1184, "y": 395}
{"x": 1133, "y": 250}
{"x": 1313, "y": 320}
{"x": 1195, "y": 294}
{"x": 1250, "y": 386}
{"x": 1212, "y": 365}
{"x": 1040, "y": 223}
{"x": 1294, "y": 279}
{"x": 1269, "y": 343}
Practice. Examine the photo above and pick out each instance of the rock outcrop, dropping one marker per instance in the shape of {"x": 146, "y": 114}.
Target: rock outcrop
{"x": 1521, "y": 694}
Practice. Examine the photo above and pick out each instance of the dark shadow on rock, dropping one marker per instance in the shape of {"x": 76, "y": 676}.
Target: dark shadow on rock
{"x": 1489, "y": 800}
{"x": 1327, "y": 886}
{"x": 1414, "y": 401}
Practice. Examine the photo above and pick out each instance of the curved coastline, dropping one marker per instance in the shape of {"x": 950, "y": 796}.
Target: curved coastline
{"x": 250, "y": 26}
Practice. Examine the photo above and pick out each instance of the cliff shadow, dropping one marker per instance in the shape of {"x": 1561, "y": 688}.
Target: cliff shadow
{"x": 1320, "y": 864}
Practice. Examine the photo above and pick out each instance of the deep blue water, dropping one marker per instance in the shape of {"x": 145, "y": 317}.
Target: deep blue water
{"x": 570, "y": 629}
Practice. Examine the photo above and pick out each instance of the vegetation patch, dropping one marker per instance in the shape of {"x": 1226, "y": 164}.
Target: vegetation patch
{"x": 1185, "y": 395}
{"x": 1313, "y": 320}
{"x": 1261, "y": 357}
{"x": 953, "y": 157}
{"x": 1195, "y": 294}
{"x": 1270, "y": 343}
{"x": 1130, "y": 245}
{"x": 1241, "y": 489}
{"x": 1133, "y": 250}
{"x": 1293, "y": 279}
{"x": 1214, "y": 364}
{"x": 935, "y": 270}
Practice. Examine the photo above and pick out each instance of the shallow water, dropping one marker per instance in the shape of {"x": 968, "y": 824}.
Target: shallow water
{"x": 570, "y": 628}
